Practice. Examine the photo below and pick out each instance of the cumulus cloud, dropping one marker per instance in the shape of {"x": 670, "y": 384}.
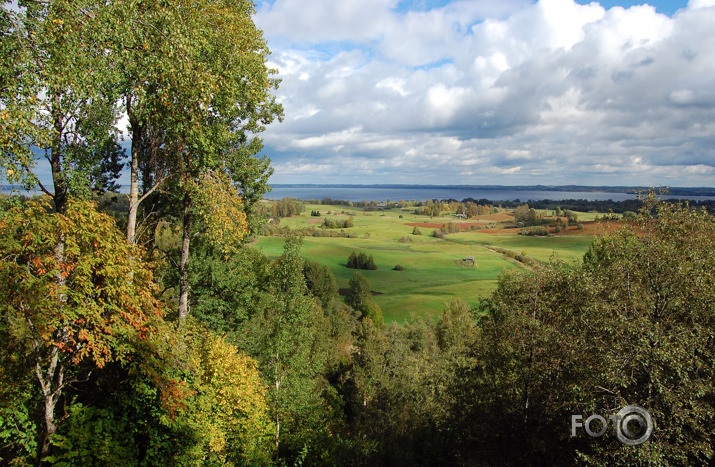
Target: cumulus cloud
{"x": 482, "y": 92}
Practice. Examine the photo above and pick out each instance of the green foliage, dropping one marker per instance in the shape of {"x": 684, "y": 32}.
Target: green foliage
{"x": 221, "y": 211}
{"x": 446, "y": 229}
{"x": 359, "y": 296}
{"x": 659, "y": 290}
{"x": 190, "y": 397}
{"x": 639, "y": 319}
{"x": 224, "y": 288}
{"x": 361, "y": 261}
{"x": 358, "y": 291}
{"x": 287, "y": 207}
{"x": 456, "y": 329}
{"x": 432, "y": 209}
{"x": 74, "y": 295}
{"x": 373, "y": 312}
{"x": 286, "y": 334}
{"x": 18, "y": 431}
{"x": 88, "y": 302}
{"x": 629, "y": 216}
{"x": 55, "y": 97}
{"x": 416, "y": 231}
{"x": 320, "y": 282}
{"x": 524, "y": 216}
{"x": 536, "y": 231}
{"x": 450, "y": 228}
{"x": 337, "y": 223}
{"x": 571, "y": 216}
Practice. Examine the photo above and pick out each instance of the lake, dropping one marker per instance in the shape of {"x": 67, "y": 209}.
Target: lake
{"x": 421, "y": 193}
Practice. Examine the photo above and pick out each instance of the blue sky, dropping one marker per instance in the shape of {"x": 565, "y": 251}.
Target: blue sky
{"x": 484, "y": 92}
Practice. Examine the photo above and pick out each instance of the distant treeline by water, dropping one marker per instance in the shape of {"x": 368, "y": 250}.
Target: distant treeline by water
{"x": 492, "y": 193}
{"x": 577, "y": 198}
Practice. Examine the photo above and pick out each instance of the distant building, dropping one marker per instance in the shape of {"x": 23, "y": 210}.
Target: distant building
{"x": 469, "y": 259}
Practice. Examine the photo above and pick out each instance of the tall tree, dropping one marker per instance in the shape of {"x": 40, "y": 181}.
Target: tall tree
{"x": 219, "y": 97}
{"x": 88, "y": 318}
{"x": 283, "y": 337}
{"x": 359, "y": 296}
{"x": 58, "y": 99}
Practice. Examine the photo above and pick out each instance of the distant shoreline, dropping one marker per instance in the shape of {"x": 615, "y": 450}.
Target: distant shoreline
{"x": 684, "y": 191}
{"x": 454, "y": 191}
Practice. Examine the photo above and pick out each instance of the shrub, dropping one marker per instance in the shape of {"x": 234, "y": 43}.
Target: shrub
{"x": 361, "y": 261}
{"x": 450, "y": 227}
{"x": 337, "y": 223}
{"x": 539, "y": 230}
{"x": 398, "y": 268}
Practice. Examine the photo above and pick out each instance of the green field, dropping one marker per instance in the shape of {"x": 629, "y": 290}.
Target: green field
{"x": 434, "y": 273}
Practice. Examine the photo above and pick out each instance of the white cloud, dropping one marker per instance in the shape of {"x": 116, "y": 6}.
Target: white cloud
{"x": 512, "y": 92}
{"x": 694, "y": 4}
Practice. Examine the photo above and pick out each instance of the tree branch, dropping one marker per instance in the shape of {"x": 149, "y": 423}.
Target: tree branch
{"x": 152, "y": 189}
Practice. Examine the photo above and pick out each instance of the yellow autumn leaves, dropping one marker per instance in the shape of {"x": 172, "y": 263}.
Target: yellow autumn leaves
{"x": 221, "y": 208}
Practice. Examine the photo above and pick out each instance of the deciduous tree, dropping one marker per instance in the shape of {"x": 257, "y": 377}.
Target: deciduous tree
{"x": 68, "y": 313}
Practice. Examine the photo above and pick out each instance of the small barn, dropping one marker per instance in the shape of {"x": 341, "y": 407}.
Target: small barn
{"x": 466, "y": 262}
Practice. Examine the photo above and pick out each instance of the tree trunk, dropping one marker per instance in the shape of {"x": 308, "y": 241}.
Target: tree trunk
{"x": 278, "y": 432}
{"x": 52, "y": 380}
{"x": 133, "y": 197}
{"x": 184, "y": 262}
{"x": 51, "y": 395}
{"x": 137, "y": 137}
{"x": 58, "y": 179}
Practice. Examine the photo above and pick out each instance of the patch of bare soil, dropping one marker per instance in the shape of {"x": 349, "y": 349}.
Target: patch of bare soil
{"x": 501, "y": 217}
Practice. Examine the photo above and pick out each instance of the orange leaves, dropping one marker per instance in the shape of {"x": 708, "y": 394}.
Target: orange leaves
{"x": 173, "y": 395}
{"x": 65, "y": 269}
{"x": 67, "y": 278}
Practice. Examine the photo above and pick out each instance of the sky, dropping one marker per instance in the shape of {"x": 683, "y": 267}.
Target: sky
{"x": 484, "y": 92}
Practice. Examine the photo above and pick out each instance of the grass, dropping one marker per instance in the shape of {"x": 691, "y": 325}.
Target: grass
{"x": 431, "y": 277}
{"x": 566, "y": 247}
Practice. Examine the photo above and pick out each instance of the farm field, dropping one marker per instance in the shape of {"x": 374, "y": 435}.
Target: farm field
{"x": 435, "y": 272}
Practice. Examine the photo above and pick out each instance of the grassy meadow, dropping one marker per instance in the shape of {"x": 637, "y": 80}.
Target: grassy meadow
{"x": 435, "y": 272}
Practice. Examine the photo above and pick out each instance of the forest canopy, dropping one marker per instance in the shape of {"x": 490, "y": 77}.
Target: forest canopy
{"x": 160, "y": 337}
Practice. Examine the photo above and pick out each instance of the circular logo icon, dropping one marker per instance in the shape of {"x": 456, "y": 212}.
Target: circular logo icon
{"x": 634, "y": 425}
